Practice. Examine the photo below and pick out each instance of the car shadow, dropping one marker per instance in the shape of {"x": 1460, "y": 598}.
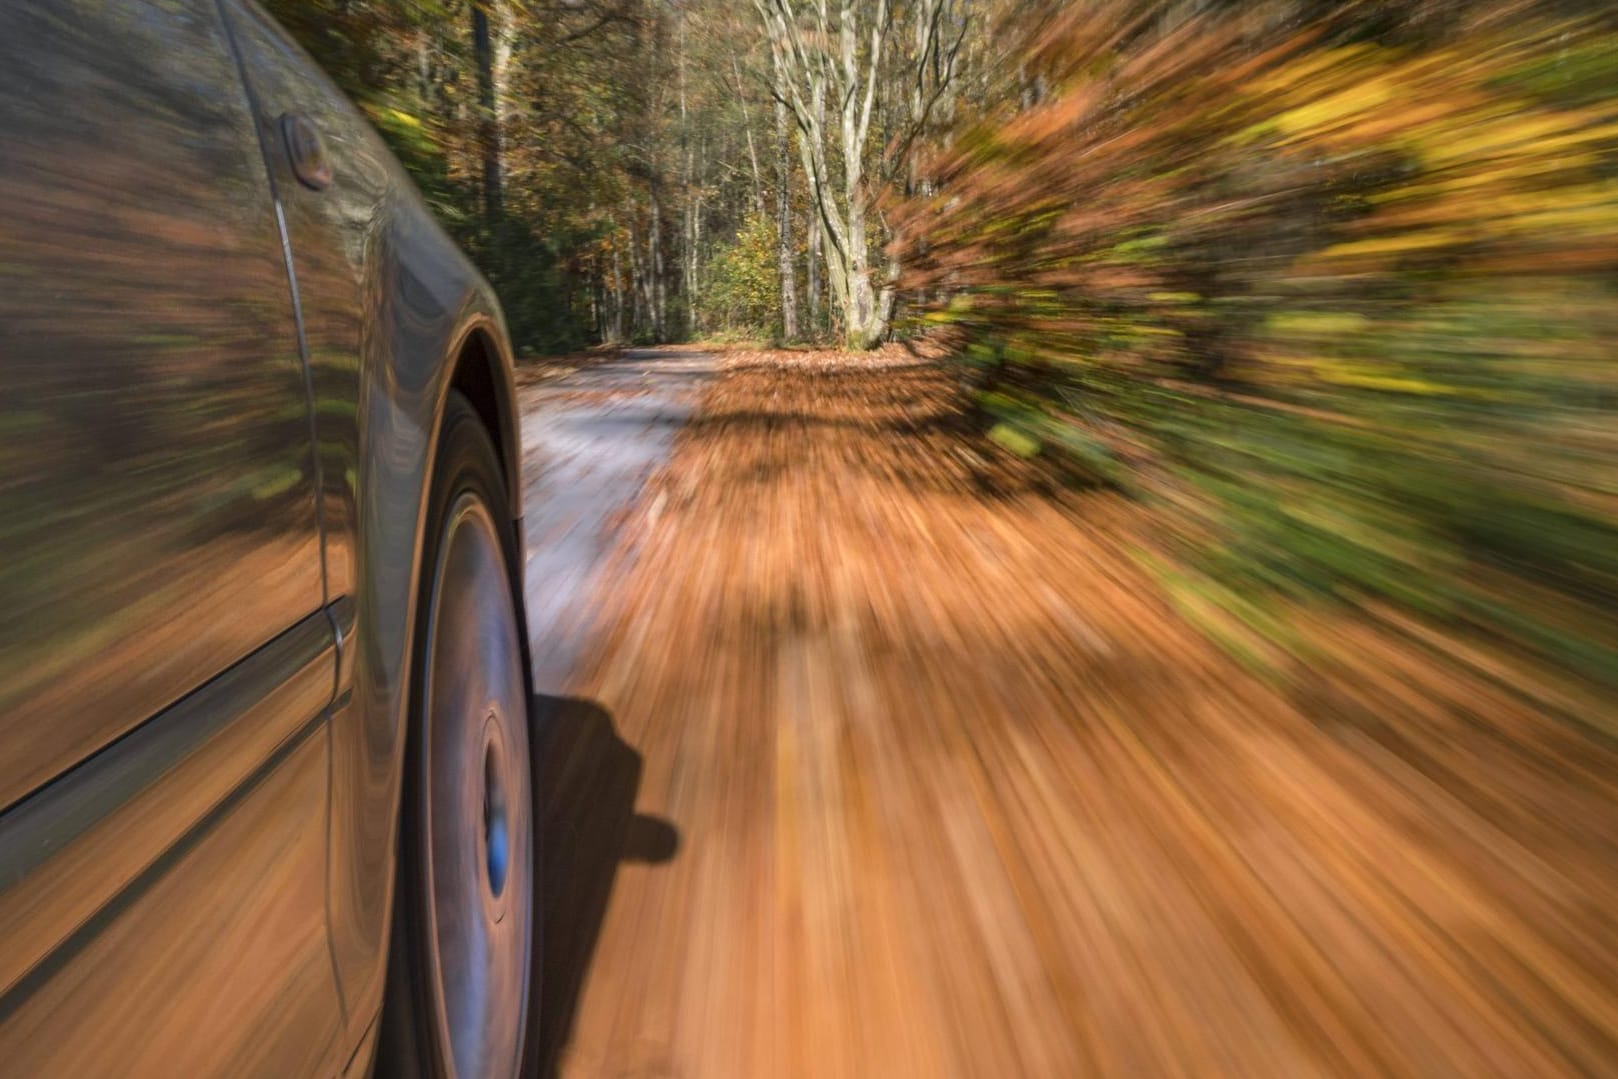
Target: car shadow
{"x": 588, "y": 780}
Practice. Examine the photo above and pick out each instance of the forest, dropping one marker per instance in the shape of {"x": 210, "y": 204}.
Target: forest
{"x": 1331, "y": 284}
{"x": 640, "y": 171}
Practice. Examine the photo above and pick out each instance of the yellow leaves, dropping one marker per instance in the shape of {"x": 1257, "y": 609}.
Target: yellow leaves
{"x": 1538, "y": 135}
{"x": 1536, "y": 170}
{"x": 1338, "y": 108}
{"x": 1317, "y": 323}
{"x": 402, "y": 118}
{"x": 1396, "y": 245}
{"x": 1359, "y": 374}
{"x": 1562, "y": 221}
{"x": 1490, "y": 168}
{"x": 1331, "y": 63}
{"x": 1483, "y": 213}
{"x": 1450, "y": 110}
{"x": 1010, "y": 438}
{"x": 1368, "y": 379}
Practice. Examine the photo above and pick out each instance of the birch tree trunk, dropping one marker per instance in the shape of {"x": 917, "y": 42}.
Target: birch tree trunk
{"x": 843, "y": 63}
{"x": 747, "y": 130}
{"x": 483, "y": 55}
{"x": 785, "y": 263}
{"x": 811, "y": 75}
{"x": 815, "y": 255}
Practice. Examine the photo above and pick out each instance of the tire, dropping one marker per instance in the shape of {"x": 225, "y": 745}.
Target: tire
{"x": 462, "y": 963}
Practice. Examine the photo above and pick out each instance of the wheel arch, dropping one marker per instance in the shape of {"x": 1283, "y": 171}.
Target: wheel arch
{"x": 481, "y": 373}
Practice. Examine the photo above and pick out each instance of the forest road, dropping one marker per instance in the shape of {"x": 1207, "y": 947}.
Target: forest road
{"x": 869, "y": 753}
{"x": 591, "y": 439}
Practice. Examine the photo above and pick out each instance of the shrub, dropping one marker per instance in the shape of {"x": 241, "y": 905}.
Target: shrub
{"x": 743, "y": 293}
{"x": 1333, "y": 284}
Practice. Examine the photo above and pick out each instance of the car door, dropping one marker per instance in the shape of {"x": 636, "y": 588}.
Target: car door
{"x": 335, "y": 183}
{"x": 166, "y": 660}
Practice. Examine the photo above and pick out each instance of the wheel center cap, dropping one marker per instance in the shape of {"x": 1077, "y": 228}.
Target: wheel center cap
{"x": 496, "y": 821}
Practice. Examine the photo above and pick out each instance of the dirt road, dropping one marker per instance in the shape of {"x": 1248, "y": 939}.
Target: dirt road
{"x": 877, "y": 759}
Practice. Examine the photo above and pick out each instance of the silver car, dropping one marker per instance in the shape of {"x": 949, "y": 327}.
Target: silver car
{"x": 265, "y": 754}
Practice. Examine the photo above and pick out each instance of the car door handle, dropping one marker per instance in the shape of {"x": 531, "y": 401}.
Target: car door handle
{"x": 306, "y": 153}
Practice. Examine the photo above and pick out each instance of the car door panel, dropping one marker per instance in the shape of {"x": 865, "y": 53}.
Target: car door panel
{"x": 167, "y": 662}
{"x": 157, "y": 510}
{"x": 217, "y": 965}
{"x": 339, "y": 238}
{"x": 76, "y": 846}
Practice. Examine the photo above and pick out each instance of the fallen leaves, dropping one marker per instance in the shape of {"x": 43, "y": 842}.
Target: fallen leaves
{"x": 960, "y": 793}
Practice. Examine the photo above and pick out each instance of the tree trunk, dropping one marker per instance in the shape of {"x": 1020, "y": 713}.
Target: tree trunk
{"x": 617, "y": 296}
{"x": 865, "y": 312}
{"x": 815, "y": 255}
{"x": 688, "y": 261}
{"x": 747, "y": 130}
{"x": 785, "y": 263}
{"x": 424, "y": 70}
{"x": 488, "y": 114}
{"x": 640, "y": 283}
{"x": 688, "y": 163}
{"x": 655, "y": 267}
{"x": 841, "y": 68}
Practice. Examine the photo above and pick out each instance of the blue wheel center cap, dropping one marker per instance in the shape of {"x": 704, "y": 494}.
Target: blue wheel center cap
{"x": 496, "y": 838}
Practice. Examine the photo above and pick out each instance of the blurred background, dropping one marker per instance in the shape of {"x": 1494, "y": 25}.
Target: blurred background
{"x": 1330, "y": 281}
{"x": 1148, "y": 554}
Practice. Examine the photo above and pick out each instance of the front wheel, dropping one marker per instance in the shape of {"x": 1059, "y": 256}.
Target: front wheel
{"x": 461, "y": 965}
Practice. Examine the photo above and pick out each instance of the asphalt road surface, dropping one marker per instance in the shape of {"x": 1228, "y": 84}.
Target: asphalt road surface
{"x": 591, "y": 439}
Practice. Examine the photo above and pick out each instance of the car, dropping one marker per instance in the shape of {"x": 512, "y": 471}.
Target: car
{"x": 265, "y": 749}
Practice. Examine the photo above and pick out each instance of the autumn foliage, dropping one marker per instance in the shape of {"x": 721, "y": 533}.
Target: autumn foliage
{"x": 1332, "y": 284}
